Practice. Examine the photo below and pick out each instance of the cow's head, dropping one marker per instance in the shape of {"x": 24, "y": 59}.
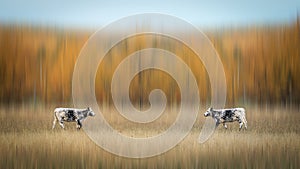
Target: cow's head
{"x": 208, "y": 112}
{"x": 90, "y": 112}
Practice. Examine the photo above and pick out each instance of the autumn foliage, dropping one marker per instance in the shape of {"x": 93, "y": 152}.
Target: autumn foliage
{"x": 261, "y": 64}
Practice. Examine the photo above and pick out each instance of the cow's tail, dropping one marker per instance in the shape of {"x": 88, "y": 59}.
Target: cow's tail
{"x": 244, "y": 118}
{"x": 54, "y": 120}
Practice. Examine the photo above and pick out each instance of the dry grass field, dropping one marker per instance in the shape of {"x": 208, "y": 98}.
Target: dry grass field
{"x": 272, "y": 141}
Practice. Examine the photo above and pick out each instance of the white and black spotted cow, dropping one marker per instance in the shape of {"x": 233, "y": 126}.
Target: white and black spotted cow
{"x": 228, "y": 115}
{"x": 71, "y": 115}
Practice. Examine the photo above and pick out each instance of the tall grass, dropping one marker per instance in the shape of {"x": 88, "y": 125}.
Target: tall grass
{"x": 272, "y": 141}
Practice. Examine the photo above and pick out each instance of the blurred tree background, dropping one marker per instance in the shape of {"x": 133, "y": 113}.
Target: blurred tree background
{"x": 261, "y": 65}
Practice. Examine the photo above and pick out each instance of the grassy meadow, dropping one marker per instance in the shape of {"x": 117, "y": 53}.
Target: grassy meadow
{"x": 271, "y": 141}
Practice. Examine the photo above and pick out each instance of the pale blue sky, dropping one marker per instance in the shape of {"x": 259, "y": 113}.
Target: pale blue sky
{"x": 94, "y": 14}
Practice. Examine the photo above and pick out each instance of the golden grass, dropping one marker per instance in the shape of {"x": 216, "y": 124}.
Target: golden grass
{"x": 272, "y": 141}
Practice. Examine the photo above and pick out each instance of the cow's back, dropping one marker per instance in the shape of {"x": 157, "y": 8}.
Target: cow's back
{"x": 56, "y": 110}
{"x": 240, "y": 109}
{"x": 240, "y": 112}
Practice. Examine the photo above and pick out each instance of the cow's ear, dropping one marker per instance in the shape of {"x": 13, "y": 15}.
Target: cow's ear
{"x": 210, "y": 109}
{"x": 89, "y": 108}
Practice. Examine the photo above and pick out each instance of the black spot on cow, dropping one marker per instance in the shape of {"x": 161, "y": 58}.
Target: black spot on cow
{"x": 228, "y": 115}
{"x": 70, "y": 115}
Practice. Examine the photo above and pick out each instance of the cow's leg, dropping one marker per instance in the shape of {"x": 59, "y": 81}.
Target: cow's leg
{"x": 61, "y": 123}
{"x": 224, "y": 124}
{"x": 241, "y": 125}
{"x": 54, "y": 122}
{"x": 79, "y": 124}
{"x": 217, "y": 122}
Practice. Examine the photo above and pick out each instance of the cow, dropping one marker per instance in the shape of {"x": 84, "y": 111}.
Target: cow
{"x": 228, "y": 115}
{"x": 71, "y": 115}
